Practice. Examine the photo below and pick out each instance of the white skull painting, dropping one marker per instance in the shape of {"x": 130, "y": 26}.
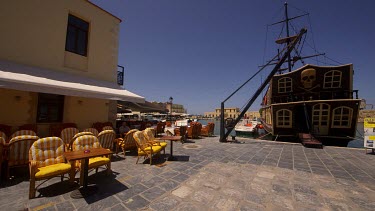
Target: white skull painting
{"x": 308, "y": 78}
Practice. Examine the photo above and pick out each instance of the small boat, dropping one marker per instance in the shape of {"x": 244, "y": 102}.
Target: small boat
{"x": 246, "y": 127}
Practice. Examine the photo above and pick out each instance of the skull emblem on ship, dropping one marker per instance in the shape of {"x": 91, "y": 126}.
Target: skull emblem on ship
{"x": 308, "y": 78}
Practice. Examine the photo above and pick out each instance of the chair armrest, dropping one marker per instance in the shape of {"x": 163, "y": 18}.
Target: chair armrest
{"x": 32, "y": 167}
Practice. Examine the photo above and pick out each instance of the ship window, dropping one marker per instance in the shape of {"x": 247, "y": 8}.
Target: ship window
{"x": 332, "y": 79}
{"x": 284, "y": 118}
{"x": 342, "y": 117}
{"x": 285, "y": 85}
{"x": 320, "y": 114}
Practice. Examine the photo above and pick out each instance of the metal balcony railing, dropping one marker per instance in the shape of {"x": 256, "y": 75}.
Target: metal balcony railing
{"x": 120, "y": 75}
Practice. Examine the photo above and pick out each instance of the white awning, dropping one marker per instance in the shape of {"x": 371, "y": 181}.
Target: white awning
{"x": 34, "y": 79}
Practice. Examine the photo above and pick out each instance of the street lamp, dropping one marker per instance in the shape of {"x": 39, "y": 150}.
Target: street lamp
{"x": 171, "y": 102}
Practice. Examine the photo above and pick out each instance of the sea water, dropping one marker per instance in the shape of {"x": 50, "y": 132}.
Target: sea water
{"x": 356, "y": 143}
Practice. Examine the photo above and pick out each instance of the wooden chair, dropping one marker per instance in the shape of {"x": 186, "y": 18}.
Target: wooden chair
{"x": 107, "y": 128}
{"x": 67, "y": 134}
{"x": 145, "y": 149}
{"x": 7, "y": 129}
{"x": 47, "y": 161}
{"x": 87, "y": 142}
{"x": 149, "y": 134}
{"x": 18, "y": 151}
{"x": 181, "y": 131}
{"x": 128, "y": 142}
{"x": 23, "y": 133}
{"x": 208, "y": 130}
{"x": 159, "y": 128}
{"x": 192, "y": 131}
{"x": 2, "y": 144}
{"x": 107, "y": 138}
{"x": 32, "y": 127}
{"x": 92, "y": 130}
{"x": 70, "y": 145}
{"x": 3, "y": 135}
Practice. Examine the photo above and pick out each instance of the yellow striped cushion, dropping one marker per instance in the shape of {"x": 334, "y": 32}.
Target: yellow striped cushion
{"x": 140, "y": 138}
{"x": 107, "y": 128}
{"x": 98, "y": 161}
{"x": 92, "y": 130}
{"x": 23, "y": 132}
{"x": 86, "y": 142}
{"x": 19, "y": 149}
{"x": 155, "y": 149}
{"x": 149, "y": 134}
{"x": 51, "y": 170}
{"x": 106, "y": 138}
{"x": 68, "y": 133}
{"x": 48, "y": 151}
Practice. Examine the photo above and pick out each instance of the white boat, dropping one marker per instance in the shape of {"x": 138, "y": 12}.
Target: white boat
{"x": 246, "y": 127}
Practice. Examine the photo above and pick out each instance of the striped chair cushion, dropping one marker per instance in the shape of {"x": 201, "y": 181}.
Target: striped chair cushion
{"x": 140, "y": 138}
{"x": 23, "y": 132}
{"x": 107, "y": 128}
{"x": 149, "y": 134}
{"x": 47, "y": 151}
{"x": 106, "y": 138}
{"x": 92, "y": 130}
{"x": 3, "y": 135}
{"x": 68, "y": 133}
{"x": 86, "y": 142}
{"x": 19, "y": 146}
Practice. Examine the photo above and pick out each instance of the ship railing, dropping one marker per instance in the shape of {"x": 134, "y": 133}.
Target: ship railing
{"x": 322, "y": 95}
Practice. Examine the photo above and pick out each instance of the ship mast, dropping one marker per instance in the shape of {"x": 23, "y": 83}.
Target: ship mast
{"x": 287, "y": 34}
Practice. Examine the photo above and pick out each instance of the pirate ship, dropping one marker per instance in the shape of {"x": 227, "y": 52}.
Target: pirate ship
{"x": 313, "y": 103}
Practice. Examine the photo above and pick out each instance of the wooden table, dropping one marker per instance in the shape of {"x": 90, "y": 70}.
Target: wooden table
{"x": 171, "y": 139}
{"x": 85, "y": 190}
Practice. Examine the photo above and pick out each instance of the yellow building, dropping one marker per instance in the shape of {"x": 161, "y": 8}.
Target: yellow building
{"x": 58, "y": 63}
{"x": 231, "y": 113}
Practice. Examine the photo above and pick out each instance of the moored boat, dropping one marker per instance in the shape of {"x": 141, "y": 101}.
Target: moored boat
{"x": 316, "y": 100}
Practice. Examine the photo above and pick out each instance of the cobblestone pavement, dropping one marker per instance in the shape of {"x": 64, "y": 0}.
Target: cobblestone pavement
{"x": 208, "y": 175}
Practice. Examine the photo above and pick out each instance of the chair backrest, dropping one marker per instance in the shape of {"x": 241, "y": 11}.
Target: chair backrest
{"x": 7, "y": 129}
{"x": 85, "y": 142}
{"x": 19, "y": 146}
{"x": 107, "y": 128}
{"x": 68, "y": 133}
{"x": 32, "y": 127}
{"x": 149, "y": 134}
{"x": 129, "y": 140}
{"x": 92, "y": 130}
{"x": 140, "y": 139}
{"x": 47, "y": 151}
{"x": 2, "y": 143}
{"x": 3, "y": 135}
{"x": 182, "y": 130}
{"x": 212, "y": 127}
{"x": 76, "y": 136}
{"x": 159, "y": 127}
{"x": 23, "y": 133}
{"x": 106, "y": 138}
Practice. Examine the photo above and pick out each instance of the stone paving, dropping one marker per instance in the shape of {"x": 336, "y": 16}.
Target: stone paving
{"x": 208, "y": 175}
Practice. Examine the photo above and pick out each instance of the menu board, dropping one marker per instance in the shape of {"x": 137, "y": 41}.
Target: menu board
{"x": 369, "y": 133}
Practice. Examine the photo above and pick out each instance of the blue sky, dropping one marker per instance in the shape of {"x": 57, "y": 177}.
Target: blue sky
{"x": 200, "y": 51}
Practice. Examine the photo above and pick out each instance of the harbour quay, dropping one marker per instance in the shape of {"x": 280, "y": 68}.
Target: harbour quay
{"x": 209, "y": 175}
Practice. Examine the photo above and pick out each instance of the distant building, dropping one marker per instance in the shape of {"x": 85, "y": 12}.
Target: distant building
{"x": 176, "y": 108}
{"x": 231, "y": 113}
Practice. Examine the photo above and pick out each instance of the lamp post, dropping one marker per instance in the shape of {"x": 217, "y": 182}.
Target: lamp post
{"x": 170, "y": 112}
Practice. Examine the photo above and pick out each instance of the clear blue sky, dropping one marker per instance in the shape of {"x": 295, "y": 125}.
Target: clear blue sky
{"x": 200, "y": 51}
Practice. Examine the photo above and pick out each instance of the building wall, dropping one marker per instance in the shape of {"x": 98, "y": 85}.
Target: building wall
{"x": 34, "y": 33}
